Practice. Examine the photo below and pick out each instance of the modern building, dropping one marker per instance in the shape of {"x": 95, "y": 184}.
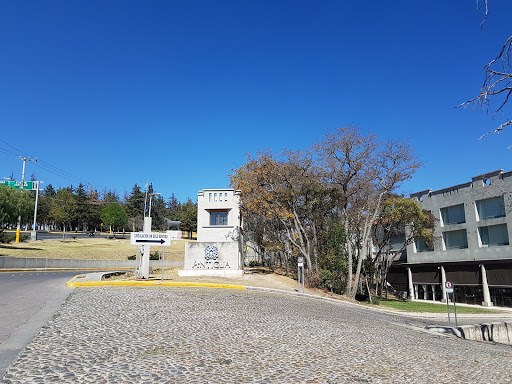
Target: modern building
{"x": 217, "y": 251}
{"x": 471, "y": 246}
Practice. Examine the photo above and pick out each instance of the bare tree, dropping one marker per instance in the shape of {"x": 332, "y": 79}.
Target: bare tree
{"x": 364, "y": 170}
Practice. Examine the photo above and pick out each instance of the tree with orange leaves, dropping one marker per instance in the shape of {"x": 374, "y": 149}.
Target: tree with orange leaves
{"x": 284, "y": 192}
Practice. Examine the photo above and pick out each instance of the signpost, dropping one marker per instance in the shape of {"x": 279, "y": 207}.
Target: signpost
{"x": 300, "y": 264}
{"x": 145, "y": 240}
{"x": 448, "y": 286}
{"x": 27, "y": 185}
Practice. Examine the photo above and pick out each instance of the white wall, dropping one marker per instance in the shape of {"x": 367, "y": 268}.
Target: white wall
{"x": 209, "y": 199}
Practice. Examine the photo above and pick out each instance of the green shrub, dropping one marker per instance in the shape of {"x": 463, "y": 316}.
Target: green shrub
{"x": 325, "y": 279}
{"x": 152, "y": 256}
{"x": 6, "y": 238}
{"x": 375, "y": 301}
{"x": 253, "y": 263}
{"x": 22, "y": 238}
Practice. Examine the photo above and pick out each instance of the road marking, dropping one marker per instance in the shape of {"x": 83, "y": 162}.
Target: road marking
{"x": 132, "y": 283}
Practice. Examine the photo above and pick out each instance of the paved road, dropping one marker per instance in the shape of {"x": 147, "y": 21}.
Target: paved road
{"x": 27, "y": 300}
{"x": 200, "y": 335}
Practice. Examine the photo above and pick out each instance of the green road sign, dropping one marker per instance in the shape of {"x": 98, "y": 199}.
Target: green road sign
{"x": 29, "y": 185}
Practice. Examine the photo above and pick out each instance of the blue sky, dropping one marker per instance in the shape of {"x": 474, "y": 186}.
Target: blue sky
{"x": 176, "y": 93}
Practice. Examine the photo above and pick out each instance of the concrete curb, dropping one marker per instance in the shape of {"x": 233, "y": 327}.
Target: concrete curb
{"x": 151, "y": 283}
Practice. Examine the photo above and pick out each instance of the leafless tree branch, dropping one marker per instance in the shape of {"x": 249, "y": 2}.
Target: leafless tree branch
{"x": 497, "y": 85}
{"x": 486, "y": 11}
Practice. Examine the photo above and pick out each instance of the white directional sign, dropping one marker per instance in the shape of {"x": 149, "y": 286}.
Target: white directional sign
{"x": 151, "y": 238}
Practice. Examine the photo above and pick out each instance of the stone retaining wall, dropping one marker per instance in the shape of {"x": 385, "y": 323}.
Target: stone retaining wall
{"x": 7, "y": 262}
{"x": 499, "y": 332}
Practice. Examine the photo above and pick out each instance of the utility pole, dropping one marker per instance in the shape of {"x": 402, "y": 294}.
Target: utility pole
{"x": 25, "y": 159}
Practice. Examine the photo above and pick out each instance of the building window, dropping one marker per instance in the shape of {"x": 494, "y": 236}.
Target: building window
{"x": 422, "y": 247}
{"x": 453, "y": 215}
{"x": 225, "y": 196}
{"x": 491, "y": 208}
{"x": 210, "y": 198}
{"x": 493, "y": 235}
{"x": 455, "y": 239}
{"x": 218, "y": 217}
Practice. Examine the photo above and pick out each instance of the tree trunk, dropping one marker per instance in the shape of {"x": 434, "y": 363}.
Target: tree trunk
{"x": 349, "y": 255}
{"x": 315, "y": 251}
{"x": 358, "y": 274}
{"x": 368, "y": 288}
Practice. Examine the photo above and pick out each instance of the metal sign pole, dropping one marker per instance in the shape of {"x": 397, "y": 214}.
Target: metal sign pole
{"x": 302, "y": 278}
{"x": 298, "y": 275}
{"x": 448, "y": 306}
{"x": 300, "y": 264}
{"x": 163, "y": 258}
{"x": 454, "y": 308}
{"x": 137, "y": 262}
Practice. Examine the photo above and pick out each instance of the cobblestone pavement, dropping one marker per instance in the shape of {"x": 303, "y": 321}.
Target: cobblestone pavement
{"x": 201, "y": 335}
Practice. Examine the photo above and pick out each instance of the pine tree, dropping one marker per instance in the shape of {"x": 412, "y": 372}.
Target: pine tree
{"x": 135, "y": 208}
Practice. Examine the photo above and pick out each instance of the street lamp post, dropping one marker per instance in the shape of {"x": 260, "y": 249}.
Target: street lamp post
{"x": 33, "y": 234}
{"x": 150, "y": 199}
{"x": 18, "y": 227}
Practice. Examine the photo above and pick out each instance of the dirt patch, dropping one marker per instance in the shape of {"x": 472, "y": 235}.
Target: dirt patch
{"x": 252, "y": 278}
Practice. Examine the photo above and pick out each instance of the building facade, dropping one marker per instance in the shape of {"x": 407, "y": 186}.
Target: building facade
{"x": 471, "y": 246}
{"x": 218, "y": 214}
{"x": 217, "y": 251}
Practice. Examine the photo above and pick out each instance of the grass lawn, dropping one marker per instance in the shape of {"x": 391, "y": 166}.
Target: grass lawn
{"x": 99, "y": 249}
{"x": 414, "y": 306}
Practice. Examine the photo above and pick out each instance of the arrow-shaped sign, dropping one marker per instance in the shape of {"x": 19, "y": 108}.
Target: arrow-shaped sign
{"x": 161, "y": 241}
{"x": 157, "y": 238}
